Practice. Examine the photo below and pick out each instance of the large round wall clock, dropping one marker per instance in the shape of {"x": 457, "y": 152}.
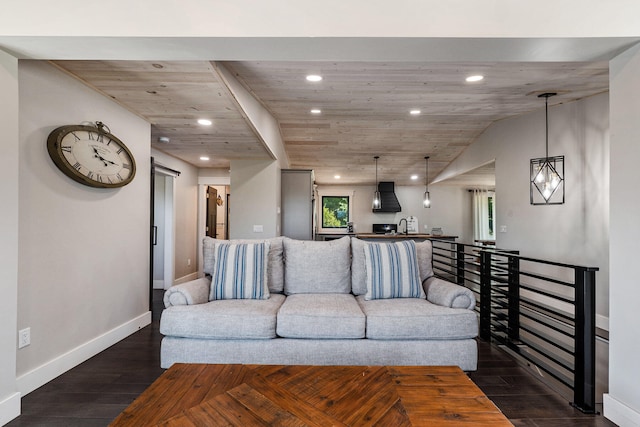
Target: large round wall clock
{"x": 91, "y": 155}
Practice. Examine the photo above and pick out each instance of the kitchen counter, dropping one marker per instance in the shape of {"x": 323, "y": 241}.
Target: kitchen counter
{"x": 400, "y": 236}
{"x": 383, "y": 237}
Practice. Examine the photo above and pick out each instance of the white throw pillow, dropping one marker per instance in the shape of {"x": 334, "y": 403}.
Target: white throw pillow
{"x": 240, "y": 271}
{"x": 392, "y": 271}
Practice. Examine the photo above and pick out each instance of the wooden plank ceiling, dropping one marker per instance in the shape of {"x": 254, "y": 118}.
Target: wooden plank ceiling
{"x": 365, "y": 109}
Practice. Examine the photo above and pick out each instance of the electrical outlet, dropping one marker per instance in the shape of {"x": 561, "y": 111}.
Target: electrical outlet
{"x": 188, "y": 262}
{"x": 503, "y": 228}
{"x": 24, "y": 337}
{"x": 258, "y": 229}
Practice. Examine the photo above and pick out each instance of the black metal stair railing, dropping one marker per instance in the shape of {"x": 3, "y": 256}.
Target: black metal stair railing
{"x": 542, "y": 310}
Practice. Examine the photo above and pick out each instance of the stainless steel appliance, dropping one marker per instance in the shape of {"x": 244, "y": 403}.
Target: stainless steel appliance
{"x": 385, "y": 228}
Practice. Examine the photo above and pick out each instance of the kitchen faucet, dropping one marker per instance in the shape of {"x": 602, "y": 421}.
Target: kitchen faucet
{"x": 406, "y": 227}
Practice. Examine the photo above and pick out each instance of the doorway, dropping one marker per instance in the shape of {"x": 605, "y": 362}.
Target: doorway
{"x": 163, "y": 227}
{"x": 212, "y": 212}
{"x": 209, "y": 223}
{"x": 215, "y": 211}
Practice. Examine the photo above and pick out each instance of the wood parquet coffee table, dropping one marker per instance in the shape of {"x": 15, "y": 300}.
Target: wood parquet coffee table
{"x": 257, "y": 395}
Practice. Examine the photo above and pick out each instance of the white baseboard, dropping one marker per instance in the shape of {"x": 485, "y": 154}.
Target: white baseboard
{"x": 187, "y": 278}
{"x": 58, "y": 366}
{"x": 9, "y": 408}
{"x": 619, "y": 413}
{"x": 602, "y": 322}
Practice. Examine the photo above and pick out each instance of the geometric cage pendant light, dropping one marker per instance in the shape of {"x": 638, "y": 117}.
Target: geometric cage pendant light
{"x": 546, "y": 173}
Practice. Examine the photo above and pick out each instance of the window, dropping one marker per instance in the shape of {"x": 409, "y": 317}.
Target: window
{"x": 335, "y": 211}
{"x": 490, "y": 215}
{"x": 484, "y": 214}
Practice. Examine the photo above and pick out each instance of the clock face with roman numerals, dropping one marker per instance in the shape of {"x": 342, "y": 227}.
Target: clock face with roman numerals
{"x": 91, "y": 156}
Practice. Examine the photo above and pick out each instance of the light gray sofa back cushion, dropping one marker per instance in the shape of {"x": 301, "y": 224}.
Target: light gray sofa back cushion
{"x": 316, "y": 267}
{"x": 358, "y": 267}
{"x": 275, "y": 264}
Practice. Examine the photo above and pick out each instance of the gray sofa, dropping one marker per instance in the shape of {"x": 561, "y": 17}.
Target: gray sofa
{"x": 314, "y": 304}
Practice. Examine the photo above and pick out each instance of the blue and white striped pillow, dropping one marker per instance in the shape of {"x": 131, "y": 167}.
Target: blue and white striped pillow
{"x": 392, "y": 271}
{"x": 240, "y": 271}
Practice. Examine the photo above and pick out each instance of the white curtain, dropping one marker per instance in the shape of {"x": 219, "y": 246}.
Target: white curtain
{"x": 481, "y": 229}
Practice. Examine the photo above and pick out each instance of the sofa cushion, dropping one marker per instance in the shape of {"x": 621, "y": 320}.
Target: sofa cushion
{"x": 315, "y": 267}
{"x": 223, "y": 319}
{"x": 275, "y": 266}
{"x": 392, "y": 270}
{"x": 240, "y": 271}
{"x": 424, "y": 251}
{"x": 416, "y": 318}
{"x": 358, "y": 270}
{"x": 332, "y": 316}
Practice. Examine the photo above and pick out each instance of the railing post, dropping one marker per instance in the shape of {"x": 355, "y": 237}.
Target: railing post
{"x": 485, "y": 295}
{"x": 460, "y": 264}
{"x": 514, "y": 299}
{"x": 584, "y": 387}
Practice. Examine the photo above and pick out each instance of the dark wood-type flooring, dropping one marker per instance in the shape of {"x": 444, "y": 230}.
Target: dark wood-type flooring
{"x": 97, "y": 391}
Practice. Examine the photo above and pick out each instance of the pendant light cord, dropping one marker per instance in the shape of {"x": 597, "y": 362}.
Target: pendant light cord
{"x": 546, "y": 97}
{"x": 376, "y": 158}
{"x": 426, "y": 175}
{"x": 546, "y": 121}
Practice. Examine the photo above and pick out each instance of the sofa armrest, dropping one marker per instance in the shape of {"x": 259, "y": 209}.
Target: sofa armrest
{"x": 189, "y": 293}
{"x": 448, "y": 294}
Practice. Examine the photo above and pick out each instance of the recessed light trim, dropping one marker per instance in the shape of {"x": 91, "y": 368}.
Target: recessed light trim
{"x": 316, "y": 111}
{"x": 414, "y": 177}
{"x": 336, "y": 176}
{"x": 474, "y": 78}
{"x": 314, "y": 78}
{"x": 204, "y": 158}
{"x": 205, "y": 122}
{"x": 415, "y": 112}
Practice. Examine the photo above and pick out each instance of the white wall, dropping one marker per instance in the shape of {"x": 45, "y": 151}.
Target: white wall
{"x": 451, "y": 208}
{"x": 255, "y": 199}
{"x": 305, "y": 18}
{"x": 575, "y": 232}
{"x": 622, "y": 405}
{"x": 185, "y": 215}
{"x": 218, "y": 175}
{"x": 83, "y": 266}
{"x": 9, "y": 396}
{"x": 245, "y": 188}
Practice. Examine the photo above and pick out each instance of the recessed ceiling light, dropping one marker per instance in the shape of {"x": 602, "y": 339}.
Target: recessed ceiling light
{"x": 475, "y": 78}
{"x": 414, "y": 177}
{"x": 415, "y": 112}
{"x": 336, "y": 176}
{"x": 314, "y": 78}
{"x": 316, "y": 111}
{"x": 204, "y": 158}
{"x": 205, "y": 122}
